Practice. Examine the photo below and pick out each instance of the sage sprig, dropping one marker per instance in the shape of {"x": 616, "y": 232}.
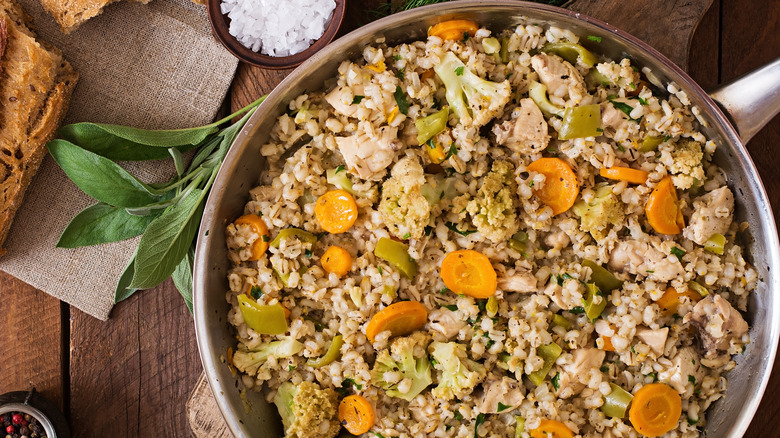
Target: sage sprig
{"x": 166, "y": 215}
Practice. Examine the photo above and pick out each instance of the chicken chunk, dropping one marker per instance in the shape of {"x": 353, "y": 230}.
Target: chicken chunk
{"x": 369, "y": 152}
{"x": 445, "y": 324}
{"x": 517, "y": 281}
{"x": 712, "y": 214}
{"x": 718, "y": 323}
{"x": 526, "y": 132}
{"x": 583, "y": 360}
{"x": 655, "y": 339}
{"x": 685, "y": 368}
{"x": 638, "y": 257}
{"x": 560, "y": 77}
{"x": 404, "y": 209}
{"x": 507, "y": 391}
{"x": 342, "y": 98}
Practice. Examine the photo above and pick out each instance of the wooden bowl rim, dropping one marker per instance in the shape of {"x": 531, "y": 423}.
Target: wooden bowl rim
{"x": 220, "y": 25}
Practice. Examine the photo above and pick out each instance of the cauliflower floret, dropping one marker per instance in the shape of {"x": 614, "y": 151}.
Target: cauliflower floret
{"x": 621, "y": 74}
{"x": 403, "y": 207}
{"x": 249, "y": 361}
{"x": 307, "y": 410}
{"x": 711, "y": 215}
{"x": 404, "y": 370}
{"x": 603, "y": 210}
{"x": 458, "y": 375}
{"x": 686, "y": 167}
{"x": 493, "y": 209}
{"x": 474, "y": 100}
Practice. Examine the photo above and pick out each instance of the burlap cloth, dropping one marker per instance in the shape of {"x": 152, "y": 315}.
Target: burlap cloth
{"x": 151, "y": 66}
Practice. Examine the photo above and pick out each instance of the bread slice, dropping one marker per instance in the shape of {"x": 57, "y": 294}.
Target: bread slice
{"x": 70, "y": 14}
{"x": 36, "y": 83}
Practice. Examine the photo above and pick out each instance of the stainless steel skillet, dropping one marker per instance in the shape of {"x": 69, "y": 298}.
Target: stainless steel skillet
{"x": 753, "y": 101}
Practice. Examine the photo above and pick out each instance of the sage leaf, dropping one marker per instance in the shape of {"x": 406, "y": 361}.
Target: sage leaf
{"x": 123, "y": 290}
{"x": 182, "y": 276}
{"x": 100, "y": 177}
{"x": 102, "y": 223}
{"x": 166, "y": 240}
{"x": 95, "y": 138}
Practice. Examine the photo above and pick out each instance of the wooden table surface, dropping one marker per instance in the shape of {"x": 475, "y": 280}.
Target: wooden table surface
{"x": 131, "y": 376}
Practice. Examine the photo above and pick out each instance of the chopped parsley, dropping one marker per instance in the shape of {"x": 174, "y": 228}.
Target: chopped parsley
{"x": 430, "y": 143}
{"x": 407, "y": 235}
{"x": 400, "y": 74}
{"x": 291, "y": 367}
{"x": 678, "y": 252}
{"x": 451, "y": 307}
{"x": 692, "y": 379}
{"x": 622, "y": 149}
{"x": 308, "y": 253}
{"x": 642, "y": 102}
{"x": 397, "y": 57}
{"x": 556, "y": 381}
{"x": 577, "y": 310}
{"x": 266, "y": 238}
{"x": 340, "y": 169}
{"x": 428, "y": 230}
{"x": 452, "y": 227}
{"x": 626, "y": 108}
{"x": 380, "y": 270}
{"x": 667, "y": 138}
{"x": 400, "y": 99}
{"x": 444, "y": 291}
{"x": 489, "y": 344}
{"x": 595, "y": 39}
{"x": 377, "y": 434}
{"x": 256, "y": 292}
{"x": 459, "y": 70}
{"x": 604, "y": 368}
{"x": 357, "y": 99}
{"x": 348, "y": 383}
{"x": 691, "y": 421}
{"x": 502, "y": 407}
{"x": 650, "y": 271}
{"x": 654, "y": 376}
{"x": 466, "y": 36}
{"x": 458, "y": 415}
{"x": 478, "y": 422}
{"x": 453, "y": 150}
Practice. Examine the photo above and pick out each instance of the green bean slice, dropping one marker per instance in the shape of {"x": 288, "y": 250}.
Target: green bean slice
{"x": 616, "y": 402}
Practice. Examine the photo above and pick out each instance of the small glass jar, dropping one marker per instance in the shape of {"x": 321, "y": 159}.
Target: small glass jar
{"x": 32, "y": 403}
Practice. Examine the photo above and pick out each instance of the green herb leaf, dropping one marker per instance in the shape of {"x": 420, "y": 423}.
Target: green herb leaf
{"x": 502, "y": 407}
{"x": 594, "y": 38}
{"x": 340, "y": 169}
{"x": 458, "y": 415}
{"x": 478, "y": 422}
{"x": 453, "y": 150}
{"x": 182, "y": 276}
{"x": 400, "y": 74}
{"x": 377, "y": 434}
{"x": 577, "y": 310}
{"x": 112, "y": 142}
{"x": 400, "y": 100}
{"x": 451, "y": 307}
{"x": 556, "y": 381}
{"x": 101, "y": 223}
{"x": 123, "y": 290}
{"x": 452, "y": 227}
{"x": 678, "y": 252}
{"x": 357, "y": 99}
{"x": 459, "y": 70}
{"x": 100, "y": 177}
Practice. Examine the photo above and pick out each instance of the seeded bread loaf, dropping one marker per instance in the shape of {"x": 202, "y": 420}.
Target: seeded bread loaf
{"x": 36, "y": 83}
{"x": 70, "y": 14}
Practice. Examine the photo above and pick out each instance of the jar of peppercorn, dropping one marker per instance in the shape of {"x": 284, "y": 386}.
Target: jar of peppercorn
{"x": 25, "y": 414}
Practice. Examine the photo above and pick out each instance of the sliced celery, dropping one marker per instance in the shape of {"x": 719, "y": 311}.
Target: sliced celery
{"x": 302, "y": 235}
{"x": 397, "y": 254}
{"x": 549, "y": 353}
{"x": 715, "y": 244}
{"x": 580, "y": 122}
{"x": 560, "y": 321}
{"x": 698, "y": 288}
{"x": 571, "y": 52}
{"x": 491, "y": 45}
{"x": 616, "y": 402}
{"x": 492, "y": 306}
{"x": 333, "y": 353}
{"x": 604, "y": 279}
{"x": 340, "y": 178}
{"x": 264, "y": 319}
{"x": 504, "y": 52}
{"x": 651, "y": 143}
{"x": 519, "y": 426}
{"x": 538, "y": 92}
{"x": 431, "y": 125}
{"x": 594, "y": 302}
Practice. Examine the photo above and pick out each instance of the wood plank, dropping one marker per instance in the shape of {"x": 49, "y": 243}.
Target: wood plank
{"x": 139, "y": 366}
{"x": 703, "y": 61}
{"x": 750, "y": 38}
{"x": 31, "y": 340}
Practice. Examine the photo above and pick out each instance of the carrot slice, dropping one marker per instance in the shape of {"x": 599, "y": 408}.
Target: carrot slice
{"x": 551, "y": 429}
{"x": 655, "y": 410}
{"x": 336, "y": 260}
{"x": 662, "y": 211}
{"x": 608, "y": 343}
{"x": 427, "y": 74}
{"x": 468, "y": 272}
{"x": 400, "y": 318}
{"x": 356, "y": 414}
{"x": 336, "y": 211}
{"x": 634, "y": 176}
{"x": 258, "y": 225}
{"x": 670, "y": 300}
{"x": 560, "y": 188}
{"x": 454, "y": 29}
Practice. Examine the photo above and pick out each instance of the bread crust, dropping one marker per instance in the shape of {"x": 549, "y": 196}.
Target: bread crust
{"x": 36, "y": 84}
{"x": 70, "y": 14}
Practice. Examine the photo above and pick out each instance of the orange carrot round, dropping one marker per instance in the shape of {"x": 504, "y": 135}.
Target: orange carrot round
{"x": 336, "y": 211}
{"x": 356, "y": 414}
{"x": 258, "y": 225}
{"x": 662, "y": 210}
{"x": 627, "y": 174}
{"x": 670, "y": 300}
{"x": 551, "y": 429}
{"x": 454, "y": 29}
{"x": 336, "y": 260}
{"x": 400, "y": 318}
{"x": 655, "y": 409}
{"x": 608, "y": 343}
{"x": 560, "y": 188}
{"x": 468, "y": 272}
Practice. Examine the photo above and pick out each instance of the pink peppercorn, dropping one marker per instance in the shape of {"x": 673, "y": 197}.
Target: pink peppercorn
{"x": 17, "y": 418}
{"x": 9, "y": 429}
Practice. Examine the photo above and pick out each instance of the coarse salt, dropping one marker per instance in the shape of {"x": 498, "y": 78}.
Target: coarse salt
{"x": 278, "y": 27}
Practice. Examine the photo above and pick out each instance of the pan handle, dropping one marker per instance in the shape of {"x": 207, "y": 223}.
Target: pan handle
{"x": 751, "y": 100}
